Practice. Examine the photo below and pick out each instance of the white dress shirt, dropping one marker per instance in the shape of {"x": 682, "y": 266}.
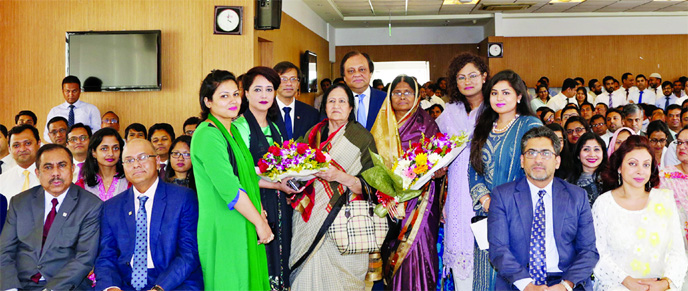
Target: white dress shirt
{"x": 648, "y": 97}
{"x": 85, "y": 113}
{"x": 559, "y": 101}
{"x": 551, "y": 252}
{"x": 149, "y": 210}
{"x": 11, "y": 183}
{"x": 366, "y": 102}
{"x": 631, "y": 90}
{"x": 281, "y": 106}
{"x": 679, "y": 101}
{"x": 618, "y": 98}
{"x": 49, "y": 204}
{"x": 317, "y": 102}
{"x": 7, "y": 163}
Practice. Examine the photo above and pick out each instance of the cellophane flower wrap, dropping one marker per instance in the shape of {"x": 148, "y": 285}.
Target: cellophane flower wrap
{"x": 412, "y": 170}
{"x": 292, "y": 159}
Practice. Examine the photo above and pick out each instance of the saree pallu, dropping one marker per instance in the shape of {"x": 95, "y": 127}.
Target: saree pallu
{"x": 326, "y": 268}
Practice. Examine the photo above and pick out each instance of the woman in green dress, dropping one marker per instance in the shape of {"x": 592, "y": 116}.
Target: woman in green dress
{"x": 231, "y": 230}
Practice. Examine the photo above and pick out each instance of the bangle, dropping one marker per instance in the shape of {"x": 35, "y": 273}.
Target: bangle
{"x": 157, "y": 288}
{"x": 483, "y": 203}
{"x": 668, "y": 282}
{"x": 566, "y": 285}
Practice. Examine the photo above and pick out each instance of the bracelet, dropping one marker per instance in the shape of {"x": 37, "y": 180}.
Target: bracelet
{"x": 157, "y": 288}
{"x": 668, "y": 282}
{"x": 483, "y": 203}
{"x": 566, "y": 285}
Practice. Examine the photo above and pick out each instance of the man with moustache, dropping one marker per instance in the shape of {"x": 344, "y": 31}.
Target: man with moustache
{"x": 611, "y": 97}
{"x": 595, "y": 89}
{"x": 24, "y": 142}
{"x": 357, "y": 68}
{"x": 666, "y": 97}
{"x": 655, "y": 81}
{"x": 296, "y": 117}
{"x": 50, "y": 239}
{"x": 148, "y": 232}
{"x": 78, "y": 138}
{"x": 643, "y": 94}
{"x": 57, "y": 130}
{"x": 540, "y": 228}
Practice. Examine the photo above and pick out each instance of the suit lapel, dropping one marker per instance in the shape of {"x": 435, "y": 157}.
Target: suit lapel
{"x": 63, "y": 213}
{"x": 159, "y": 204}
{"x": 560, "y": 202}
{"x": 37, "y": 214}
{"x": 297, "y": 119}
{"x": 129, "y": 220}
{"x": 524, "y": 204}
{"x": 373, "y": 104}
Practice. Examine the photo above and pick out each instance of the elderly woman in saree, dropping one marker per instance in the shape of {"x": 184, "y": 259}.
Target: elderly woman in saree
{"x": 411, "y": 263}
{"x": 316, "y": 263}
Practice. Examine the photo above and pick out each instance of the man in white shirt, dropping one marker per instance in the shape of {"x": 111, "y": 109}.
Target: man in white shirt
{"x": 643, "y": 94}
{"x": 73, "y": 109}
{"x": 599, "y": 127}
{"x": 679, "y": 93}
{"x": 24, "y": 144}
{"x": 611, "y": 98}
{"x": 6, "y": 160}
{"x": 655, "y": 81}
{"x": 78, "y": 137}
{"x": 296, "y": 116}
{"x": 595, "y": 89}
{"x": 566, "y": 96}
{"x": 627, "y": 85}
{"x": 356, "y": 68}
{"x": 526, "y": 249}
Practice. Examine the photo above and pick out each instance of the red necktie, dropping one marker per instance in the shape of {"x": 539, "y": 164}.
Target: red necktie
{"x": 46, "y": 228}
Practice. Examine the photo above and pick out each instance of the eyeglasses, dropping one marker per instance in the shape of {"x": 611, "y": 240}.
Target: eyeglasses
{"x": 471, "y": 77}
{"x": 576, "y": 130}
{"x": 189, "y": 132}
{"x": 78, "y": 138}
{"x": 141, "y": 158}
{"x": 111, "y": 121}
{"x": 61, "y": 130}
{"x": 292, "y": 79}
{"x": 596, "y": 125}
{"x": 545, "y": 154}
{"x": 177, "y": 155}
{"x": 656, "y": 141}
{"x": 681, "y": 142}
{"x": 405, "y": 93}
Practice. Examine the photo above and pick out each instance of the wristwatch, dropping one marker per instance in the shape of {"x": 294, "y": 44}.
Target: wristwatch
{"x": 157, "y": 288}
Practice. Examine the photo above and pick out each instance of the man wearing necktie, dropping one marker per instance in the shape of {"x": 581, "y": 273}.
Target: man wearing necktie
{"x": 23, "y": 144}
{"x": 357, "y": 68}
{"x": 50, "y": 239}
{"x": 296, "y": 117}
{"x": 73, "y": 109}
{"x": 148, "y": 232}
{"x": 540, "y": 228}
{"x": 643, "y": 94}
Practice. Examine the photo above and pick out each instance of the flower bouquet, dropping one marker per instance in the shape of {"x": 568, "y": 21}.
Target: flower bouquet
{"x": 292, "y": 159}
{"x": 411, "y": 171}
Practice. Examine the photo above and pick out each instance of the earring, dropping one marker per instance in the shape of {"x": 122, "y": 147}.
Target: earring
{"x": 620, "y": 180}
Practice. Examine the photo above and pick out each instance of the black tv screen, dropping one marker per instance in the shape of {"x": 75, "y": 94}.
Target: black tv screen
{"x": 309, "y": 68}
{"x": 115, "y": 60}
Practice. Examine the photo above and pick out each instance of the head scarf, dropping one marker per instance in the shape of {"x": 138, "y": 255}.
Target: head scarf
{"x": 386, "y": 127}
{"x": 612, "y": 142}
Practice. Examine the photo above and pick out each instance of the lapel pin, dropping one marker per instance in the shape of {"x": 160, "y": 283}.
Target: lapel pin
{"x": 298, "y": 117}
{"x": 64, "y": 214}
{"x": 130, "y": 213}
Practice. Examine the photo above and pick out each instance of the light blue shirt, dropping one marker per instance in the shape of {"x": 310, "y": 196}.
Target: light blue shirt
{"x": 85, "y": 113}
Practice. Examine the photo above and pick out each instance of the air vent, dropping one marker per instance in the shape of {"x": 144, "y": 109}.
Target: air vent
{"x": 505, "y": 6}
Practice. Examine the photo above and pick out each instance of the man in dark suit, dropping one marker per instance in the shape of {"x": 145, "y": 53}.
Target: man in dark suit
{"x": 148, "y": 238}
{"x": 50, "y": 238}
{"x": 296, "y": 117}
{"x": 540, "y": 228}
{"x": 356, "y": 68}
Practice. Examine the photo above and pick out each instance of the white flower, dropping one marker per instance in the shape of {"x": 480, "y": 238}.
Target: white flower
{"x": 434, "y": 158}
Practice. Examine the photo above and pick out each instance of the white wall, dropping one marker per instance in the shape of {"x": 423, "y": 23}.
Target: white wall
{"x": 571, "y": 24}
{"x": 409, "y": 35}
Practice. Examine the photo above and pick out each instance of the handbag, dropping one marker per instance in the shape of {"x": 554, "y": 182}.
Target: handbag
{"x": 356, "y": 229}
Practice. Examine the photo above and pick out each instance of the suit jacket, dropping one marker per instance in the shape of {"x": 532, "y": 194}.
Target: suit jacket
{"x": 70, "y": 248}
{"x": 305, "y": 117}
{"x": 3, "y": 210}
{"x": 173, "y": 242}
{"x": 377, "y": 97}
{"x": 509, "y": 225}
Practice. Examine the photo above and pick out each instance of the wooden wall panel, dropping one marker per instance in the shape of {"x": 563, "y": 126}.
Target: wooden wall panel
{"x": 32, "y": 52}
{"x": 289, "y": 43}
{"x": 439, "y": 56}
{"x": 592, "y": 56}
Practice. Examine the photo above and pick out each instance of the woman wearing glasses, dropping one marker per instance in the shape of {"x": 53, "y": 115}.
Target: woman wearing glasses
{"x": 180, "y": 172}
{"x": 541, "y": 99}
{"x": 575, "y": 127}
{"x": 467, "y": 75}
{"x": 495, "y": 152}
{"x": 658, "y": 133}
{"x": 102, "y": 173}
{"x": 411, "y": 263}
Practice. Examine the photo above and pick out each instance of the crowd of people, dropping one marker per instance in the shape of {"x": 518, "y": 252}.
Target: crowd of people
{"x": 576, "y": 188}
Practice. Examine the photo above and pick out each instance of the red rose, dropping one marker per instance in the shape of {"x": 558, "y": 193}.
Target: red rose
{"x": 301, "y": 148}
{"x": 426, "y": 140}
{"x": 262, "y": 166}
{"x": 448, "y": 150}
{"x": 415, "y": 145}
{"x": 319, "y": 157}
{"x": 275, "y": 151}
{"x": 439, "y": 135}
{"x": 438, "y": 150}
{"x": 418, "y": 151}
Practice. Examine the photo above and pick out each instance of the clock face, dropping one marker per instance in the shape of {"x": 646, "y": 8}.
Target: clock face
{"x": 228, "y": 20}
{"x": 495, "y": 49}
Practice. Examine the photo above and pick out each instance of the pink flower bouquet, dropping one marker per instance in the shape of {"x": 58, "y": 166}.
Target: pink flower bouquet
{"x": 292, "y": 159}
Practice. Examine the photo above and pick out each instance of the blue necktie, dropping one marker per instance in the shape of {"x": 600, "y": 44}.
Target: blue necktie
{"x": 640, "y": 99}
{"x": 666, "y": 103}
{"x": 610, "y": 101}
{"x": 361, "y": 115}
{"x": 70, "y": 119}
{"x": 287, "y": 122}
{"x": 139, "y": 276}
{"x": 537, "y": 266}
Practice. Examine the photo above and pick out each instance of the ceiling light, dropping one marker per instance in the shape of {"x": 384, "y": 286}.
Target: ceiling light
{"x": 460, "y": 2}
{"x": 566, "y": 1}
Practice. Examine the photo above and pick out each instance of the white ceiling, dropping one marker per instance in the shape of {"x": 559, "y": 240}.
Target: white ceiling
{"x": 358, "y": 13}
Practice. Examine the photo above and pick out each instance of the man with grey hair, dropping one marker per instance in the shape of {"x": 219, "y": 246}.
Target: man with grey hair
{"x": 527, "y": 250}
{"x": 633, "y": 118}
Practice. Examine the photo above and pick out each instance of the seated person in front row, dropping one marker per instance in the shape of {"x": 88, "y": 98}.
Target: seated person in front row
{"x": 50, "y": 238}
{"x": 148, "y": 238}
{"x": 540, "y": 228}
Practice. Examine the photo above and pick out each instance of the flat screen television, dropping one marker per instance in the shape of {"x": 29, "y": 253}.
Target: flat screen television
{"x": 309, "y": 68}
{"x": 115, "y": 60}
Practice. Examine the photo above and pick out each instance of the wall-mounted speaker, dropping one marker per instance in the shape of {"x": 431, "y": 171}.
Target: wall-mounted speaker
{"x": 268, "y": 14}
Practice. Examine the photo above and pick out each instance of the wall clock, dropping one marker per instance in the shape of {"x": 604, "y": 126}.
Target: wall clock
{"x": 495, "y": 50}
{"x": 229, "y": 19}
